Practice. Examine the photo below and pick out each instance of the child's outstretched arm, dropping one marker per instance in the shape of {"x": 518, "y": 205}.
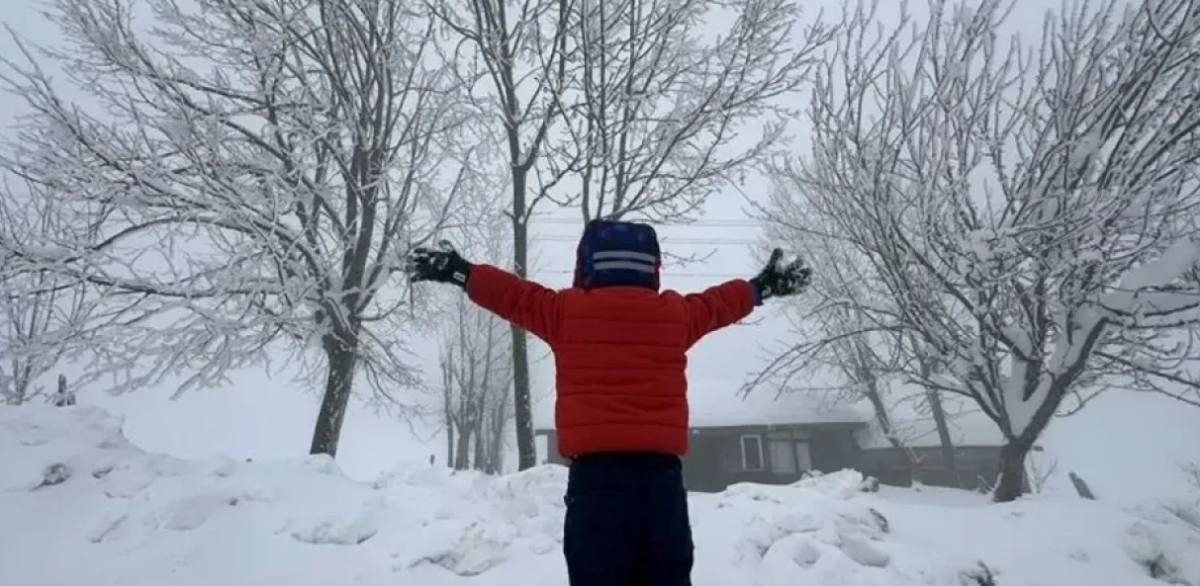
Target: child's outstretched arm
{"x": 525, "y": 303}
{"x": 522, "y": 302}
{"x": 731, "y": 301}
{"x": 718, "y": 307}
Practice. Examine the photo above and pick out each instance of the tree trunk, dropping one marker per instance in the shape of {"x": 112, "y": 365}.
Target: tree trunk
{"x": 462, "y": 452}
{"x": 495, "y": 448}
{"x": 497, "y": 425}
{"x": 449, "y": 442}
{"x": 871, "y": 386}
{"x": 479, "y": 460}
{"x": 22, "y": 379}
{"x": 949, "y": 459}
{"x": 64, "y": 397}
{"x": 448, "y": 407}
{"x": 1011, "y": 484}
{"x": 482, "y": 398}
{"x": 466, "y": 427}
{"x": 341, "y": 354}
{"x": 522, "y": 401}
{"x": 522, "y": 397}
{"x": 889, "y": 431}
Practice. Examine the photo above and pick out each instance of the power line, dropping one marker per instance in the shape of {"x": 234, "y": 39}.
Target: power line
{"x": 711, "y": 223}
{"x": 667, "y": 240}
{"x": 668, "y": 274}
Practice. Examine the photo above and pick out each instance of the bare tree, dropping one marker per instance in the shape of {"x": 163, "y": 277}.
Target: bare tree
{"x": 1028, "y": 212}
{"x": 41, "y": 314}
{"x": 475, "y": 359}
{"x": 516, "y": 65}
{"x": 837, "y": 335}
{"x": 673, "y": 101}
{"x": 269, "y": 163}
{"x": 933, "y": 400}
{"x": 476, "y": 375}
{"x": 833, "y": 336}
{"x": 625, "y": 107}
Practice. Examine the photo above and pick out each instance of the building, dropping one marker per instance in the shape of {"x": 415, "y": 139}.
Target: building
{"x": 976, "y": 441}
{"x": 775, "y": 441}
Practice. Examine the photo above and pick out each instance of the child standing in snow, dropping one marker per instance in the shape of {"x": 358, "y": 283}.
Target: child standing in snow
{"x": 621, "y": 411}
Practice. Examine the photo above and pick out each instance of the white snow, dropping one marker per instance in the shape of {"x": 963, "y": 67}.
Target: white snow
{"x": 1137, "y": 293}
{"x": 83, "y": 506}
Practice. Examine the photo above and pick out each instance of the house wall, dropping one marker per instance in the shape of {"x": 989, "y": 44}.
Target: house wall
{"x": 701, "y": 466}
{"x": 837, "y": 449}
{"x": 729, "y": 454}
{"x": 978, "y": 466}
{"x": 828, "y": 447}
{"x": 715, "y": 460}
{"x": 552, "y": 456}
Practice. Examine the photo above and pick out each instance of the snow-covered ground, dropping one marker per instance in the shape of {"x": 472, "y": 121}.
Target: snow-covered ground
{"x": 82, "y": 506}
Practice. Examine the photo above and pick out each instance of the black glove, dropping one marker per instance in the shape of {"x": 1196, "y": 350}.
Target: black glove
{"x": 442, "y": 265}
{"x": 776, "y": 280}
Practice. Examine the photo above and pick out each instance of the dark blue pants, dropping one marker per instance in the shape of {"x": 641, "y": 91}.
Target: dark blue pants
{"x": 627, "y": 521}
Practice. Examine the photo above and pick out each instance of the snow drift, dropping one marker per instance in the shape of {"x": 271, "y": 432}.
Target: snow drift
{"x": 84, "y": 507}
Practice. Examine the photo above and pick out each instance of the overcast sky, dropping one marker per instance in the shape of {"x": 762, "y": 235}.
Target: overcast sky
{"x": 261, "y": 417}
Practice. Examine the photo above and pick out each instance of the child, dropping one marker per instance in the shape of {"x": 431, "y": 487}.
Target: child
{"x": 621, "y": 413}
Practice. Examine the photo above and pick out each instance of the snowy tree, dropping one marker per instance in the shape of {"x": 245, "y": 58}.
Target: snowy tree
{"x": 516, "y": 66}
{"x": 44, "y": 316}
{"x": 1027, "y": 211}
{"x": 476, "y": 366}
{"x": 269, "y": 163}
{"x": 673, "y": 101}
{"x": 475, "y": 354}
{"x": 835, "y": 333}
{"x": 626, "y": 107}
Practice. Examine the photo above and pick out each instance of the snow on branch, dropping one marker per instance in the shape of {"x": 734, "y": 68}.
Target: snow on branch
{"x": 44, "y": 317}
{"x": 672, "y": 101}
{"x": 266, "y": 167}
{"x": 1026, "y": 208}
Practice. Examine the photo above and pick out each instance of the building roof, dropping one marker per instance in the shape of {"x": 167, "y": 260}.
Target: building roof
{"x": 969, "y": 427}
{"x": 715, "y": 403}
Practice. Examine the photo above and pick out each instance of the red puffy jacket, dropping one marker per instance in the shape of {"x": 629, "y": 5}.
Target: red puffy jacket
{"x": 620, "y": 354}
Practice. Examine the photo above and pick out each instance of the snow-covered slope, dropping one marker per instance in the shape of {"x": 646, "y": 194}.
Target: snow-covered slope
{"x": 81, "y": 506}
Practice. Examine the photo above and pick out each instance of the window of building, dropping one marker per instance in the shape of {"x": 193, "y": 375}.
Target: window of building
{"x": 752, "y": 453}
{"x": 783, "y": 456}
{"x": 803, "y": 456}
{"x": 789, "y": 456}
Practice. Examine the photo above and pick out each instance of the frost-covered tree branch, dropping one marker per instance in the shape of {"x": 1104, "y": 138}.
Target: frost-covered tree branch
{"x": 513, "y": 58}
{"x": 476, "y": 364}
{"x": 267, "y": 165}
{"x": 1028, "y": 210}
{"x": 673, "y": 101}
{"x": 475, "y": 352}
{"x": 43, "y": 316}
{"x": 842, "y": 336}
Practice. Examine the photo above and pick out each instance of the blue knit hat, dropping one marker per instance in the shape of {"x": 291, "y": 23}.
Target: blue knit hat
{"x": 614, "y": 254}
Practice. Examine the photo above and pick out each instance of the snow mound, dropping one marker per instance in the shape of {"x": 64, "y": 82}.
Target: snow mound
{"x": 82, "y": 505}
